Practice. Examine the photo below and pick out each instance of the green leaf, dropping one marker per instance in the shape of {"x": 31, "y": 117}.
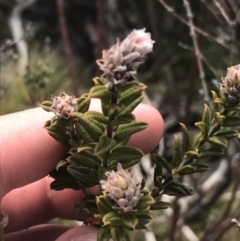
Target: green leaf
{"x": 104, "y": 145}
{"x": 128, "y": 96}
{"x": 84, "y": 158}
{"x": 83, "y": 103}
{"x": 203, "y": 128}
{"x": 129, "y": 108}
{"x": 219, "y": 140}
{"x": 96, "y": 116}
{"x": 211, "y": 152}
{"x": 144, "y": 217}
{"x": 207, "y": 117}
{"x": 129, "y": 221}
{"x": 232, "y": 121}
{"x": 46, "y": 105}
{"x": 83, "y": 174}
{"x": 103, "y": 234}
{"x": 145, "y": 201}
{"x": 103, "y": 205}
{"x": 222, "y": 97}
{"x": 228, "y": 134}
{"x": 157, "y": 178}
{"x": 193, "y": 168}
{"x": 158, "y": 205}
{"x": 174, "y": 188}
{"x": 177, "y": 155}
{"x": 160, "y": 160}
{"x": 186, "y": 138}
{"x": 191, "y": 154}
{"x": 126, "y": 130}
{"x": 200, "y": 167}
{"x": 102, "y": 173}
{"x": 125, "y": 153}
{"x": 101, "y": 92}
{"x": 98, "y": 81}
{"x": 88, "y": 128}
{"x": 62, "y": 163}
{"x": 188, "y": 169}
{"x": 196, "y": 140}
{"x": 123, "y": 119}
{"x": 112, "y": 218}
{"x": 120, "y": 234}
{"x": 125, "y": 164}
{"x": 216, "y": 106}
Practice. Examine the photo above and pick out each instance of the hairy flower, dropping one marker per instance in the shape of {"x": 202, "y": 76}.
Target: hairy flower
{"x": 230, "y": 85}
{"x": 119, "y": 63}
{"x": 122, "y": 188}
{"x": 63, "y": 105}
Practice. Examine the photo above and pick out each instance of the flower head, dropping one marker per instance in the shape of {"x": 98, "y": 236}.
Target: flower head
{"x": 230, "y": 85}
{"x": 63, "y": 105}
{"x": 122, "y": 188}
{"x": 119, "y": 63}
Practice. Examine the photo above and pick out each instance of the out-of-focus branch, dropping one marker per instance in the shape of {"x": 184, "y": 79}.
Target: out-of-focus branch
{"x": 15, "y": 23}
{"x": 197, "y": 50}
{"x": 66, "y": 46}
{"x": 200, "y": 31}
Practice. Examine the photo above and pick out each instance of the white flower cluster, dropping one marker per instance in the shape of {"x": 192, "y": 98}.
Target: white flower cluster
{"x": 63, "y": 105}
{"x": 119, "y": 63}
{"x": 230, "y": 85}
{"x": 122, "y": 188}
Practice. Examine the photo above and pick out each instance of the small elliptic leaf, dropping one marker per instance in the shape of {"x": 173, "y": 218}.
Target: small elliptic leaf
{"x": 216, "y": 106}
{"x": 62, "y": 163}
{"x": 207, "y": 117}
{"x": 103, "y": 234}
{"x": 101, "y": 92}
{"x": 98, "y": 81}
{"x": 46, "y": 105}
{"x": 177, "y": 155}
{"x": 144, "y": 217}
{"x": 200, "y": 167}
{"x": 219, "y": 140}
{"x": 129, "y": 108}
{"x": 203, "y": 128}
{"x": 191, "y": 154}
{"x": 83, "y": 103}
{"x": 185, "y": 170}
{"x": 129, "y": 221}
{"x": 228, "y": 134}
{"x": 125, "y": 153}
{"x": 232, "y": 121}
{"x": 88, "y": 127}
{"x": 104, "y": 145}
{"x": 160, "y": 205}
{"x": 123, "y": 119}
{"x": 160, "y": 160}
{"x": 102, "y": 173}
{"x": 102, "y": 205}
{"x": 186, "y": 138}
{"x": 211, "y": 152}
{"x": 175, "y": 188}
{"x": 112, "y": 218}
{"x": 126, "y": 130}
{"x": 97, "y": 116}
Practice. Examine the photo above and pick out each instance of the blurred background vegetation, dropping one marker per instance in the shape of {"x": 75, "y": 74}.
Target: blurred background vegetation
{"x": 51, "y": 46}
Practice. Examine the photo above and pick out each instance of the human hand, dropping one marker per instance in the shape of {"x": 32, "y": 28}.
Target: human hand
{"x": 27, "y": 155}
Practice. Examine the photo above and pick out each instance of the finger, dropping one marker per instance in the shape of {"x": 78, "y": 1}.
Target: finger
{"x": 44, "y": 232}
{"x": 86, "y": 233}
{"x": 36, "y": 203}
{"x": 28, "y": 153}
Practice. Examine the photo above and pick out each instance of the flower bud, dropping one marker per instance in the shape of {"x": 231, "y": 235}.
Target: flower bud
{"x": 230, "y": 85}
{"x": 122, "y": 188}
{"x": 119, "y": 63}
{"x": 63, "y": 105}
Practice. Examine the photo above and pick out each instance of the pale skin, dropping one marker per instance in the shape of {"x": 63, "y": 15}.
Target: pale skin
{"x": 28, "y": 154}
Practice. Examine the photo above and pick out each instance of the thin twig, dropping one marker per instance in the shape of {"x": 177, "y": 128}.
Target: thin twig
{"x": 197, "y": 51}
{"x": 223, "y": 12}
{"x": 197, "y": 29}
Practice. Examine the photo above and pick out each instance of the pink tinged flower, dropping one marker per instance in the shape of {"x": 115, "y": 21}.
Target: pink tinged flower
{"x": 63, "y": 105}
{"x": 122, "y": 188}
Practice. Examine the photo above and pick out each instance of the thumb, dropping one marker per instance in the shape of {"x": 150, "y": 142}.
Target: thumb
{"x": 83, "y": 233}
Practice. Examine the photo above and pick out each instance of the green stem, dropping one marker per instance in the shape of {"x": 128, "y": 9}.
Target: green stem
{"x": 111, "y": 117}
